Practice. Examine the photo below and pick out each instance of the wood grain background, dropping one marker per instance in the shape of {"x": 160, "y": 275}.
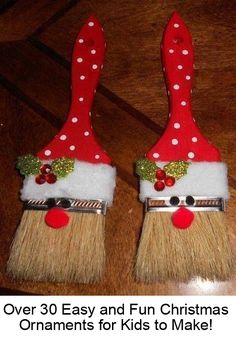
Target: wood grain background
{"x": 129, "y": 112}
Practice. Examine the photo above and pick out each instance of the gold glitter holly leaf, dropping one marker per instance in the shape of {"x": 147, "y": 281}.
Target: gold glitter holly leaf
{"x": 177, "y": 169}
{"x": 28, "y": 165}
{"x": 146, "y": 169}
{"x": 62, "y": 167}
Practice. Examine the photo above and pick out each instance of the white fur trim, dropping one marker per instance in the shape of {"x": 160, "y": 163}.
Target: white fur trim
{"x": 202, "y": 179}
{"x": 87, "y": 181}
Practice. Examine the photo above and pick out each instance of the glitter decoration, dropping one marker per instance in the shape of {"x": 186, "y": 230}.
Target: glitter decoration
{"x": 62, "y": 167}
{"x": 28, "y": 165}
{"x": 177, "y": 169}
{"x": 146, "y": 170}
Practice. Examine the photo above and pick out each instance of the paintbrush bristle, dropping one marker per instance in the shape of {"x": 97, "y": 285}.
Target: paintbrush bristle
{"x": 75, "y": 253}
{"x": 166, "y": 253}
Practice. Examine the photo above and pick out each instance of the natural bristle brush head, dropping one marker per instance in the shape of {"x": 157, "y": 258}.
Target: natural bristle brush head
{"x": 75, "y": 253}
{"x": 68, "y": 186}
{"x": 183, "y": 183}
{"x": 166, "y": 253}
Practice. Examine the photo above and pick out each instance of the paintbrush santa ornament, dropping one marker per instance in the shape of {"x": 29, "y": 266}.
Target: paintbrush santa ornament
{"x": 183, "y": 183}
{"x": 68, "y": 186}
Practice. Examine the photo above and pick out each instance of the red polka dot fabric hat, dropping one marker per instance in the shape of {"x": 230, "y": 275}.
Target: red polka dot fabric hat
{"x": 73, "y": 164}
{"x": 182, "y": 162}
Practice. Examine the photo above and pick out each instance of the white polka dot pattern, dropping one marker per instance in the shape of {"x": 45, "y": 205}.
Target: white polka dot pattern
{"x": 175, "y": 141}
{"x": 47, "y": 153}
{"x": 63, "y": 137}
{"x": 76, "y": 139}
{"x": 182, "y": 139}
{"x": 191, "y": 155}
{"x": 176, "y": 56}
{"x": 177, "y": 125}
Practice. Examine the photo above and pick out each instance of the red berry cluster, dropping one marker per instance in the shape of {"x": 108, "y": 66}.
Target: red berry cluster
{"x": 163, "y": 180}
{"x": 46, "y": 175}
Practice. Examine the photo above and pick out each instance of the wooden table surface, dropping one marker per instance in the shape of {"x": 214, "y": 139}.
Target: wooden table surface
{"x": 129, "y": 112}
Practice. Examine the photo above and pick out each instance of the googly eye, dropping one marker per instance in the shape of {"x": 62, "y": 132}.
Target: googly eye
{"x": 50, "y": 203}
{"x": 174, "y": 200}
{"x": 65, "y": 203}
{"x": 190, "y": 200}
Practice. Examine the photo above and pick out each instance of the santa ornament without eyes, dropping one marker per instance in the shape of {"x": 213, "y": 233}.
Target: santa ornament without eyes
{"x": 67, "y": 186}
{"x": 183, "y": 183}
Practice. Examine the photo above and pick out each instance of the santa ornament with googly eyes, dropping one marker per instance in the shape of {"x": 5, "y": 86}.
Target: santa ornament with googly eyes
{"x": 183, "y": 183}
{"x": 68, "y": 185}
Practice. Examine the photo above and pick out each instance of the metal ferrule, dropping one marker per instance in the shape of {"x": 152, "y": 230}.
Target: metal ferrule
{"x": 68, "y": 204}
{"x": 193, "y": 203}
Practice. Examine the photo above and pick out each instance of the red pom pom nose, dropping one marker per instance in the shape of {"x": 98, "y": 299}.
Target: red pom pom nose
{"x": 56, "y": 218}
{"x": 182, "y": 218}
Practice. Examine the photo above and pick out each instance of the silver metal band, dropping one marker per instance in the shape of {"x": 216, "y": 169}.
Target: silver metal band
{"x": 68, "y": 204}
{"x": 163, "y": 204}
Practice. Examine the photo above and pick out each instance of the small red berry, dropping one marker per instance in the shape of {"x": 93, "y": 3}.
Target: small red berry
{"x": 46, "y": 168}
{"x": 159, "y": 186}
{"x": 50, "y": 178}
{"x": 160, "y": 174}
{"x": 40, "y": 179}
{"x": 169, "y": 181}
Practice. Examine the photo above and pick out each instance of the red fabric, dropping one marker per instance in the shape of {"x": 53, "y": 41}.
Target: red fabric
{"x": 182, "y": 139}
{"x": 56, "y": 218}
{"x": 76, "y": 139}
{"x": 182, "y": 218}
